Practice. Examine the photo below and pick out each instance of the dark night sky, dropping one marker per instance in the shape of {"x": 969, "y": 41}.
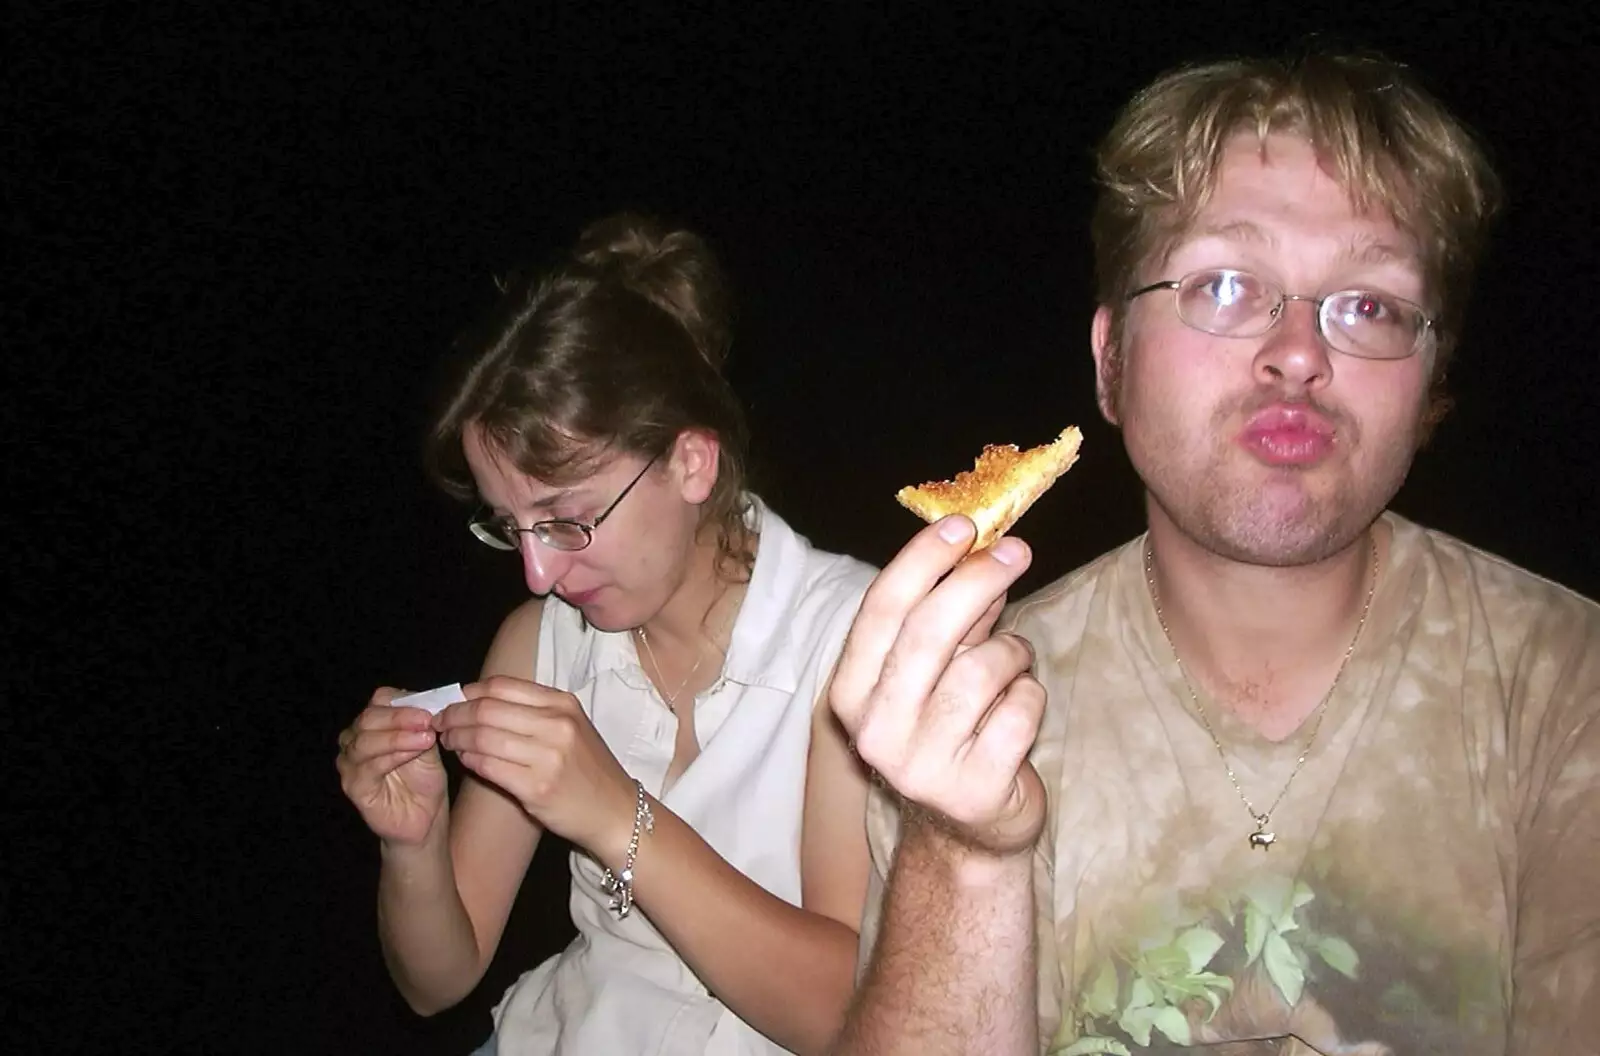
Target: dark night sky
{"x": 243, "y": 236}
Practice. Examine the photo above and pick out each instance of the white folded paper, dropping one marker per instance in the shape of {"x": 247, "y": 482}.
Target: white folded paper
{"x": 432, "y": 701}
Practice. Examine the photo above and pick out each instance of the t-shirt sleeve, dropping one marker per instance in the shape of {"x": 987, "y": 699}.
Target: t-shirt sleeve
{"x": 1556, "y": 749}
{"x": 883, "y": 835}
{"x": 1046, "y": 758}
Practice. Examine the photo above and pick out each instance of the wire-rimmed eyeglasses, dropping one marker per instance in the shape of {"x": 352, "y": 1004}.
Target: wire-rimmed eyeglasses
{"x": 1227, "y": 302}
{"x": 558, "y": 533}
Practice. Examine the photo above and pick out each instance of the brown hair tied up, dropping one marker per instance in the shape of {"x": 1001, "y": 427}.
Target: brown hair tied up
{"x": 674, "y": 270}
{"x": 617, "y": 350}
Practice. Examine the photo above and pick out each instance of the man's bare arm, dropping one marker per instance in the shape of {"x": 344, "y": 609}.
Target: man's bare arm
{"x": 953, "y": 970}
{"x": 945, "y": 712}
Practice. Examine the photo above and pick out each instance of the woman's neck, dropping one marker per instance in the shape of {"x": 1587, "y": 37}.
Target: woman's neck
{"x": 700, "y": 611}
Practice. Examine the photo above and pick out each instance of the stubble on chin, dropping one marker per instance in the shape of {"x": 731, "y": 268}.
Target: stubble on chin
{"x": 1244, "y": 511}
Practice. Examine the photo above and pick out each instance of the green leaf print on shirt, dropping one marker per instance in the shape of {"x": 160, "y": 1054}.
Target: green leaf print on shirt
{"x": 1167, "y": 971}
{"x": 1265, "y": 929}
{"x": 1163, "y": 984}
{"x": 1276, "y": 937}
{"x": 1337, "y": 954}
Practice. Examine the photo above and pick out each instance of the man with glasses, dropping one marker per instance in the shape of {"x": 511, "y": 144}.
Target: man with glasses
{"x": 1288, "y": 773}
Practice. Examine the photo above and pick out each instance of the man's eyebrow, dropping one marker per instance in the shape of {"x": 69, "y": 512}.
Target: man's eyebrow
{"x": 1235, "y": 231}
{"x": 1372, "y": 251}
{"x": 1359, "y": 250}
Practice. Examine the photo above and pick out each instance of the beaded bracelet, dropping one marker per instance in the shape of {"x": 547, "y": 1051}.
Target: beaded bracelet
{"x": 620, "y": 886}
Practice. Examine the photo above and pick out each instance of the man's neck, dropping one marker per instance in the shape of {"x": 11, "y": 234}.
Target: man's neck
{"x": 1264, "y": 644}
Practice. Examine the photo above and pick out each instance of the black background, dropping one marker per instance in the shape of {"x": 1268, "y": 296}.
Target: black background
{"x": 240, "y": 238}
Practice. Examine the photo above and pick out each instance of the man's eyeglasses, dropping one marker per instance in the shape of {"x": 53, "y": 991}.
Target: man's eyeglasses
{"x": 560, "y": 533}
{"x": 1364, "y": 323}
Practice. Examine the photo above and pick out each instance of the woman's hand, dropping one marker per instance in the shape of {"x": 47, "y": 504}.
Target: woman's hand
{"x": 389, "y": 767}
{"x": 537, "y": 746}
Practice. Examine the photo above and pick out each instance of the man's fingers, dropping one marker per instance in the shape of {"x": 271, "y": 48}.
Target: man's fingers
{"x": 901, "y": 585}
{"x": 970, "y": 689}
{"x": 962, "y": 609}
{"x": 985, "y": 625}
{"x": 992, "y": 792}
{"x": 934, "y": 630}
{"x": 1001, "y": 746}
{"x": 934, "y": 764}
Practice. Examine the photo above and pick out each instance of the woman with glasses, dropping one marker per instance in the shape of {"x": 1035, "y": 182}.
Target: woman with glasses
{"x": 658, "y": 702}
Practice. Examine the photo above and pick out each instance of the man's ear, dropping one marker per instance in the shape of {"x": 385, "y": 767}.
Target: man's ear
{"x": 1107, "y": 365}
{"x": 696, "y": 455}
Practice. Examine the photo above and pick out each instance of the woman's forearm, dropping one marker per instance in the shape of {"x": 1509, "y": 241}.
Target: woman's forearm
{"x": 427, "y": 937}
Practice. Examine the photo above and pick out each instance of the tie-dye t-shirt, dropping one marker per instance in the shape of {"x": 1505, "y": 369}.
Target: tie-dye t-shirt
{"x": 1434, "y": 882}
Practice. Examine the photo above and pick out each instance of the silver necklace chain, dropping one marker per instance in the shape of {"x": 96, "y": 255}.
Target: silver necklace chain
{"x": 1261, "y": 837}
{"x": 671, "y": 699}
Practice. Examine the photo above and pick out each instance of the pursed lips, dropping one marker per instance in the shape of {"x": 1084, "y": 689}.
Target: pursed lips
{"x": 1289, "y": 435}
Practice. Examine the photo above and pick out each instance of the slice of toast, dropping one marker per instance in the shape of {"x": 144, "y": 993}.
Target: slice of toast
{"x": 998, "y": 489}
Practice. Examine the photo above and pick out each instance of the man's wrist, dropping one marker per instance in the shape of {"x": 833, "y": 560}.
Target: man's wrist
{"x": 929, "y": 839}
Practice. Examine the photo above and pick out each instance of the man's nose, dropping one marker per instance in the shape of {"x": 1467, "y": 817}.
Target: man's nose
{"x": 1294, "y": 353}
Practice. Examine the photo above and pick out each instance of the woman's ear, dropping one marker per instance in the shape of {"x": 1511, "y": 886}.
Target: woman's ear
{"x": 695, "y": 459}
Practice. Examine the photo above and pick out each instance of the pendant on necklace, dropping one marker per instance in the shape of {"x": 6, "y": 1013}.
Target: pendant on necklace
{"x": 1261, "y": 837}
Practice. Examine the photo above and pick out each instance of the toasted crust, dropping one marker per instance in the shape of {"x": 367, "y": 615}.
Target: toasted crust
{"x": 998, "y": 489}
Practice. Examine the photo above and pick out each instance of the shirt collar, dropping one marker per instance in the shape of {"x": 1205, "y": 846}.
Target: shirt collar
{"x": 758, "y": 653}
